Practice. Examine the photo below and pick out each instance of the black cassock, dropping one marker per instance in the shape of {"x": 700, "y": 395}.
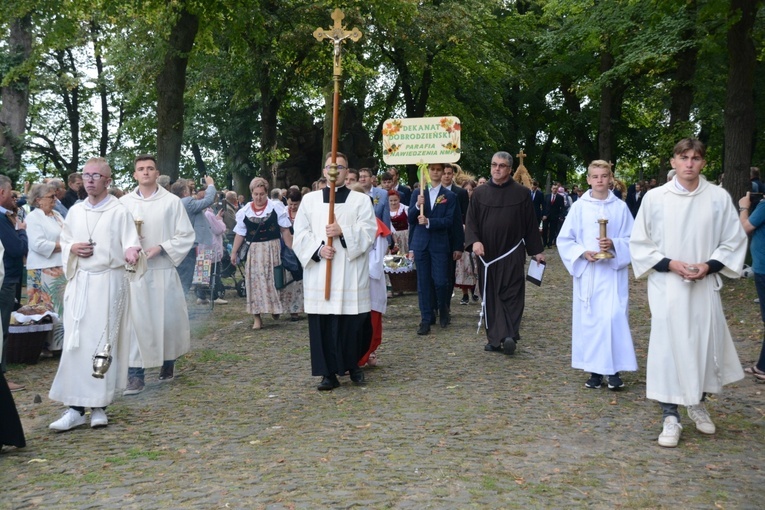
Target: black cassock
{"x": 11, "y": 432}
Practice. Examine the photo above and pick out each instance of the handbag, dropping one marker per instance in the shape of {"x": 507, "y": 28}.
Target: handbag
{"x": 280, "y": 280}
{"x": 290, "y": 262}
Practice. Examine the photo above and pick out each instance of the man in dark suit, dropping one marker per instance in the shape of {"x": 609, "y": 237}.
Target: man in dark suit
{"x": 537, "y": 200}
{"x": 555, "y": 206}
{"x": 403, "y": 190}
{"x": 431, "y": 245}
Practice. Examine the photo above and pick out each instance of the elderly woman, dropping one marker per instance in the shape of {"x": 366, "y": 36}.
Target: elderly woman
{"x": 45, "y": 275}
{"x": 292, "y": 294}
{"x": 261, "y": 223}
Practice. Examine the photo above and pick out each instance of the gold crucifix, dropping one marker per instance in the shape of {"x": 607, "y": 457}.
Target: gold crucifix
{"x": 337, "y": 34}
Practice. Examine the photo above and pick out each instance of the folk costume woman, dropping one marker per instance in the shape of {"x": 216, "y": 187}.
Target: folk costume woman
{"x": 261, "y": 223}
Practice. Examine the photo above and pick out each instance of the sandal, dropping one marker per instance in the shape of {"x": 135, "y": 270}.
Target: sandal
{"x": 756, "y": 372}
{"x": 372, "y": 360}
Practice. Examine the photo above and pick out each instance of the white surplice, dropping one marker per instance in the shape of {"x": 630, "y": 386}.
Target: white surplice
{"x": 350, "y": 267}
{"x": 601, "y": 341}
{"x": 691, "y": 350}
{"x": 91, "y": 302}
{"x": 159, "y": 315}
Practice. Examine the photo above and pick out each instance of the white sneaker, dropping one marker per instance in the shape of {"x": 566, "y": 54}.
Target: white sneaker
{"x": 220, "y": 301}
{"x": 201, "y": 301}
{"x": 98, "y": 418}
{"x": 700, "y": 416}
{"x": 69, "y": 420}
{"x": 670, "y": 436}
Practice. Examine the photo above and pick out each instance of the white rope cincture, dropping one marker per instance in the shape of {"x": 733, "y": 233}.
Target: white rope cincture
{"x": 486, "y": 282}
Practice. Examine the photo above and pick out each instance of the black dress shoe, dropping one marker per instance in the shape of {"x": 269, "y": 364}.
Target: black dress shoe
{"x": 444, "y": 318}
{"x": 328, "y": 383}
{"x": 491, "y": 348}
{"x": 424, "y": 328}
{"x": 508, "y": 346}
{"x": 357, "y": 375}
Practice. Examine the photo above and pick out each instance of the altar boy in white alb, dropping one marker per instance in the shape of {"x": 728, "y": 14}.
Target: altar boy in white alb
{"x": 686, "y": 232}
{"x": 601, "y": 342}
{"x": 98, "y": 238}
{"x": 159, "y": 316}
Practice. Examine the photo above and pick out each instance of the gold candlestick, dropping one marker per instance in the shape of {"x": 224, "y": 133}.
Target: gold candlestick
{"x": 138, "y": 224}
{"x": 603, "y": 254}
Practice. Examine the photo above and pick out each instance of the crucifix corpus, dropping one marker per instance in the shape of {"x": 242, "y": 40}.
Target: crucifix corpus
{"x": 337, "y": 34}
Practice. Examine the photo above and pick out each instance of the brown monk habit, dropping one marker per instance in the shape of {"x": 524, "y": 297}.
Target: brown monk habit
{"x": 499, "y": 216}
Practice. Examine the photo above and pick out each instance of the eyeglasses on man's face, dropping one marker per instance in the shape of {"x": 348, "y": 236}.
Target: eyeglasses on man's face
{"x": 49, "y": 197}
{"x": 339, "y": 167}
{"x": 501, "y": 166}
{"x": 92, "y": 177}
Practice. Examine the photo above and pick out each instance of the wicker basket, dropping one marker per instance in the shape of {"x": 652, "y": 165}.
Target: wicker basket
{"x": 25, "y": 343}
{"x": 403, "y": 282}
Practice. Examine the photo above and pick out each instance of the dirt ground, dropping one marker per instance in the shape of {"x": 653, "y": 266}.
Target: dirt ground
{"x": 440, "y": 423}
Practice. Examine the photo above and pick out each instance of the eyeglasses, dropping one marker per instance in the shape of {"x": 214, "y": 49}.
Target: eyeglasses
{"x": 92, "y": 177}
{"x": 339, "y": 167}
{"x": 501, "y": 166}
{"x": 50, "y": 197}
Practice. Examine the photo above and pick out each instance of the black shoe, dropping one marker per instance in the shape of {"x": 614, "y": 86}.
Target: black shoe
{"x": 475, "y": 298}
{"x": 445, "y": 318}
{"x": 424, "y": 328}
{"x": 357, "y": 375}
{"x": 595, "y": 381}
{"x": 328, "y": 383}
{"x": 465, "y": 299}
{"x": 491, "y": 348}
{"x": 508, "y": 346}
{"x": 615, "y": 382}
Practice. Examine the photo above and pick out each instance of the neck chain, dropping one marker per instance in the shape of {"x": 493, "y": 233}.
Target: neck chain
{"x": 87, "y": 225}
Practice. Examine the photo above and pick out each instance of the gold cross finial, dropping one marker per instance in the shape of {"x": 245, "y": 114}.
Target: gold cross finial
{"x": 520, "y": 157}
{"x": 610, "y": 165}
{"x": 337, "y": 34}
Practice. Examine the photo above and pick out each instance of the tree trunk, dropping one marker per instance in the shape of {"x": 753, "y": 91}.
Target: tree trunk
{"x": 268, "y": 136}
{"x": 103, "y": 141}
{"x": 15, "y": 99}
{"x": 171, "y": 84}
{"x": 587, "y": 150}
{"x": 739, "y": 101}
{"x": 611, "y": 95}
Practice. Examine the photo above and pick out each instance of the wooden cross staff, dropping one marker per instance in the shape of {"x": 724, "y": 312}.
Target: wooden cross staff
{"x": 337, "y": 34}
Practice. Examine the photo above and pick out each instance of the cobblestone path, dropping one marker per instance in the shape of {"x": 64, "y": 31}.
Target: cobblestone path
{"x": 440, "y": 424}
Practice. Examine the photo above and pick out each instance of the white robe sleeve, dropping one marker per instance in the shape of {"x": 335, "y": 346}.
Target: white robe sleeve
{"x": 360, "y": 234}
{"x": 309, "y": 228}
{"x": 644, "y": 251}
{"x": 179, "y": 245}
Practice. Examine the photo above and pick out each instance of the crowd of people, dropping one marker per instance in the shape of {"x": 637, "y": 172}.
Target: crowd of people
{"x": 124, "y": 267}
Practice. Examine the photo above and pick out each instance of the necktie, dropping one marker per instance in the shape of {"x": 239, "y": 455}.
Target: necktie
{"x": 553, "y": 199}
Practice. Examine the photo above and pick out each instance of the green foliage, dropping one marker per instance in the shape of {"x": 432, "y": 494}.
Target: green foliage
{"x": 520, "y": 75}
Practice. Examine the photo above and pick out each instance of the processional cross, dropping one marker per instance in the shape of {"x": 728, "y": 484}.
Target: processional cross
{"x": 337, "y": 34}
{"x": 520, "y": 157}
